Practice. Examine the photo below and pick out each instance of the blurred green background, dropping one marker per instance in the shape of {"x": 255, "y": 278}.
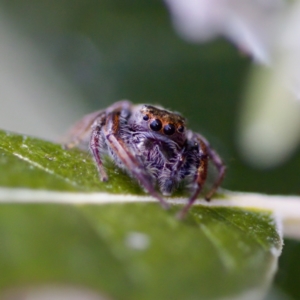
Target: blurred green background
{"x": 108, "y": 50}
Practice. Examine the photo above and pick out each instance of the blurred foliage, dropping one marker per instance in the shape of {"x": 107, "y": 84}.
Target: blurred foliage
{"x": 114, "y": 49}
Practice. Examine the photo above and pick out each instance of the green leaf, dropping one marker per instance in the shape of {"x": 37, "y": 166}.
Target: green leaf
{"x": 38, "y": 164}
{"x": 128, "y": 250}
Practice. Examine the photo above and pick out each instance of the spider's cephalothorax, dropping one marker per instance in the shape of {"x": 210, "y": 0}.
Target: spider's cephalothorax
{"x": 153, "y": 145}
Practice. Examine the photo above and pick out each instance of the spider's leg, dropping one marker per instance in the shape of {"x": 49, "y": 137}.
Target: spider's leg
{"x": 199, "y": 179}
{"x": 80, "y": 131}
{"x": 99, "y": 119}
{"x": 95, "y": 149}
{"x": 219, "y": 165}
{"x": 130, "y": 161}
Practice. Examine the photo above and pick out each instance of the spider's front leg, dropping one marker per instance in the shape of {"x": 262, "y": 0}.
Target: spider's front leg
{"x": 92, "y": 124}
{"x": 219, "y": 165}
{"x": 95, "y": 145}
{"x": 120, "y": 149}
{"x": 199, "y": 178}
{"x": 205, "y": 152}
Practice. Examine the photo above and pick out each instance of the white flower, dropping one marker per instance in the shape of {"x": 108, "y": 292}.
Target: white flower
{"x": 250, "y": 24}
{"x": 269, "y": 31}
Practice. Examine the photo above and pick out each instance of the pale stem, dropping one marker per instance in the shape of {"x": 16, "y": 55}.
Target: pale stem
{"x": 284, "y": 208}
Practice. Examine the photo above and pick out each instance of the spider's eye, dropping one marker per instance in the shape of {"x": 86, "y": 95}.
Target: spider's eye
{"x": 156, "y": 125}
{"x": 181, "y": 129}
{"x": 169, "y": 129}
{"x": 146, "y": 117}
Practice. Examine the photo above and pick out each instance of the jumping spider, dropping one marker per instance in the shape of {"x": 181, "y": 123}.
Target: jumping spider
{"x": 153, "y": 145}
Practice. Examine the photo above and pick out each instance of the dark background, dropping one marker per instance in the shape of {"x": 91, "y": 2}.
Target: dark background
{"x": 115, "y": 49}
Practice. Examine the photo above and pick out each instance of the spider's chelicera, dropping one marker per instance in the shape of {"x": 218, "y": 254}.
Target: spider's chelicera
{"x": 153, "y": 145}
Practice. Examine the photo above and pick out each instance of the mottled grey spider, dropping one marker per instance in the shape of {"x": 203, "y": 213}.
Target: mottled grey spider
{"x": 153, "y": 145}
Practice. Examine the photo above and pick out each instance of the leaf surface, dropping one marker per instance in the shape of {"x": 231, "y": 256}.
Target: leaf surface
{"x": 129, "y": 250}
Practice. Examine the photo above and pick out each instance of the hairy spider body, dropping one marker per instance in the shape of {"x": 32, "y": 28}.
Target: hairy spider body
{"x": 153, "y": 146}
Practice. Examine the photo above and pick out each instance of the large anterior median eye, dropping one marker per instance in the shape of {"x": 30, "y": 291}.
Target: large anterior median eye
{"x": 169, "y": 129}
{"x": 156, "y": 125}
